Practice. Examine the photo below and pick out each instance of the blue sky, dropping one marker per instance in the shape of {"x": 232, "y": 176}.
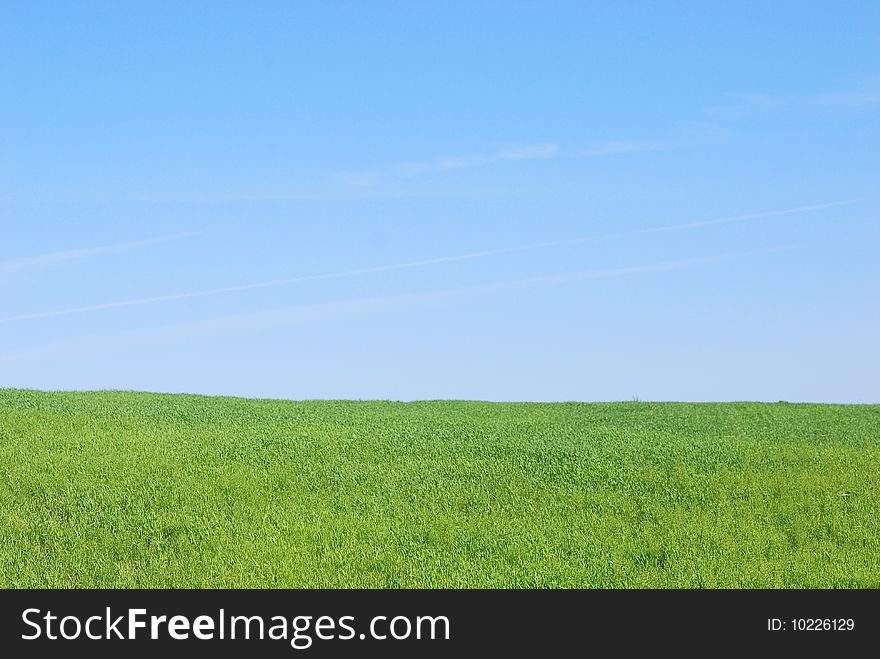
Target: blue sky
{"x": 496, "y": 200}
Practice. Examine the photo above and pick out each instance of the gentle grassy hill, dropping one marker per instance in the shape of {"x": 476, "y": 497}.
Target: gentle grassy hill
{"x": 141, "y": 490}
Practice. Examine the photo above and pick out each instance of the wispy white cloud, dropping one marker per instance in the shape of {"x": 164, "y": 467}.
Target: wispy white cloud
{"x": 614, "y": 147}
{"x": 448, "y": 163}
{"x": 232, "y": 324}
{"x": 366, "y": 178}
{"x": 55, "y": 258}
{"x": 359, "y": 184}
{"x": 530, "y": 152}
{"x": 408, "y": 265}
{"x": 866, "y": 94}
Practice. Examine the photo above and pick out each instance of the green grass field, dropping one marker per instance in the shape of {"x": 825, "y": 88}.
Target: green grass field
{"x": 141, "y": 490}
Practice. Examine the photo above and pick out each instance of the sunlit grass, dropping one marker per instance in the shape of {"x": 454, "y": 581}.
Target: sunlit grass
{"x": 140, "y": 490}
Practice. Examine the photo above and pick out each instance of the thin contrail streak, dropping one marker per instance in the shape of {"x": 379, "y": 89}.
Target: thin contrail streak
{"x": 658, "y": 266}
{"x": 316, "y": 312}
{"x": 751, "y": 216}
{"x": 265, "y": 284}
{"x": 86, "y": 252}
{"x": 407, "y": 265}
